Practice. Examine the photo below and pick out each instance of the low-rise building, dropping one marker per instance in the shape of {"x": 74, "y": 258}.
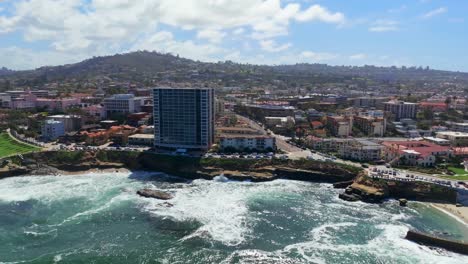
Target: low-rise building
{"x": 414, "y": 153}
{"x": 460, "y": 127}
{"x": 434, "y": 106}
{"x": 368, "y": 102}
{"x": 122, "y": 104}
{"x": 57, "y": 104}
{"x": 52, "y": 129}
{"x": 400, "y": 109}
{"x": 247, "y": 142}
{"x": 340, "y": 126}
{"x": 371, "y": 126}
{"x": 70, "y": 122}
{"x": 457, "y": 139}
{"x": 141, "y": 140}
{"x": 361, "y": 150}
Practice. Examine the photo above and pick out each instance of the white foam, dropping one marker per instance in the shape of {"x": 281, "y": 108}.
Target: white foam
{"x": 53, "y": 188}
{"x": 221, "y": 208}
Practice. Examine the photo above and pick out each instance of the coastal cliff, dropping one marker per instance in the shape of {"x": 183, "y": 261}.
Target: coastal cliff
{"x": 54, "y": 162}
{"x": 376, "y": 190}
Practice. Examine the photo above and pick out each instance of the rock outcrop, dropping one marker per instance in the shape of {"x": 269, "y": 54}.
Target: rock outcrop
{"x": 360, "y": 192}
{"x": 148, "y": 193}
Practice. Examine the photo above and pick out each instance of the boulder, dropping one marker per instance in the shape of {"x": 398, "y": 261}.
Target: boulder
{"x": 403, "y": 201}
{"x": 148, "y": 193}
{"x": 349, "y": 197}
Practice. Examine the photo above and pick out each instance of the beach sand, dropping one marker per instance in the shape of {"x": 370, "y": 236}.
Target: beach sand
{"x": 460, "y": 213}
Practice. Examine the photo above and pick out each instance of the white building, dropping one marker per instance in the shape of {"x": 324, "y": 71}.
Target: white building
{"x": 250, "y": 142}
{"x": 457, "y": 139}
{"x": 460, "y": 127}
{"x": 141, "y": 140}
{"x": 121, "y": 104}
{"x": 52, "y": 129}
{"x": 71, "y": 122}
{"x": 401, "y": 109}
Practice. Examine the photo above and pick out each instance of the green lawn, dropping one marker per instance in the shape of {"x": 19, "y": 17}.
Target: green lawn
{"x": 458, "y": 171}
{"x": 460, "y": 174}
{"x": 9, "y": 146}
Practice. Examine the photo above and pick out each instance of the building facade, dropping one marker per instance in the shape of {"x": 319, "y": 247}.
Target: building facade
{"x": 120, "y": 104}
{"x": 247, "y": 142}
{"x": 70, "y": 122}
{"x": 371, "y": 126}
{"x": 400, "y": 109}
{"x": 183, "y": 118}
{"x": 52, "y": 129}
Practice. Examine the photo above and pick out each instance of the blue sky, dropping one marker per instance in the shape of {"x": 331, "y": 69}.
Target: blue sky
{"x": 433, "y": 33}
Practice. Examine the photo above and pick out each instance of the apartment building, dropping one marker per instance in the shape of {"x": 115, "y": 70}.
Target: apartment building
{"x": 247, "y": 142}
{"x": 183, "y": 118}
{"x": 122, "y": 104}
{"x": 52, "y": 129}
{"x": 340, "y": 126}
{"x": 371, "y": 126}
{"x": 400, "y": 109}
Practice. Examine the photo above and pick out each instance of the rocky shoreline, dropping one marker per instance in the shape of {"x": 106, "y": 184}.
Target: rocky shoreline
{"x": 366, "y": 189}
{"x": 358, "y": 187}
{"x": 68, "y": 163}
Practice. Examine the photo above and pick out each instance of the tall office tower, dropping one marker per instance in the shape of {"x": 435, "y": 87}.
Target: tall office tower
{"x": 183, "y": 118}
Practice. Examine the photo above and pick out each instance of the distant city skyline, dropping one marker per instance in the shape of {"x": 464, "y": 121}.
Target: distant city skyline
{"x": 432, "y": 33}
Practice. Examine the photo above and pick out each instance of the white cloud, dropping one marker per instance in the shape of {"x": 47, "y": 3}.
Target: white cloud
{"x": 384, "y": 26}
{"x": 164, "y": 41}
{"x": 359, "y": 56}
{"x": 96, "y": 27}
{"x": 22, "y": 59}
{"x": 307, "y": 56}
{"x": 211, "y": 35}
{"x": 238, "y": 31}
{"x": 434, "y": 13}
{"x": 319, "y": 13}
{"x": 272, "y": 46}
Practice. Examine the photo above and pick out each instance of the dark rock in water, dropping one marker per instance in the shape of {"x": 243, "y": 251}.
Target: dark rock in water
{"x": 166, "y": 204}
{"x": 341, "y": 185}
{"x": 403, "y": 201}
{"x": 148, "y": 193}
{"x": 349, "y": 197}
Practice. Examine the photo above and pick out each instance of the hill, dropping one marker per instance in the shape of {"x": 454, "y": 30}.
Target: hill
{"x": 148, "y": 68}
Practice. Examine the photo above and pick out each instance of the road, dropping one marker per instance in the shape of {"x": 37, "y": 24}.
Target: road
{"x": 404, "y": 175}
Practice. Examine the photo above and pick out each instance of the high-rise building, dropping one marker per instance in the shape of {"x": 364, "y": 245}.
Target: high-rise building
{"x": 183, "y": 118}
{"x": 400, "y": 109}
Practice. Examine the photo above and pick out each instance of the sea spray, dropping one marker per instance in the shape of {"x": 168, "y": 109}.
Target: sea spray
{"x": 99, "y": 217}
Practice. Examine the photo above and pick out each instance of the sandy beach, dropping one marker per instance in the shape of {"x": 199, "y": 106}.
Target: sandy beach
{"x": 460, "y": 213}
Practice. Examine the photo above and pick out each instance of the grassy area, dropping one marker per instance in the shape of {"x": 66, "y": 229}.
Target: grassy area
{"x": 458, "y": 171}
{"x": 9, "y": 146}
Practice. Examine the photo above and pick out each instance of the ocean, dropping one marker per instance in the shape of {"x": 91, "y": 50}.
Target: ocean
{"x": 98, "y": 218}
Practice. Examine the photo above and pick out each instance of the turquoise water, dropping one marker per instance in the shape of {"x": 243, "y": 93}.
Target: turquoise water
{"x": 98, "y": 218}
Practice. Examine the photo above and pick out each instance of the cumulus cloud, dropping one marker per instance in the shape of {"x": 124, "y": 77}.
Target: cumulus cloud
{"x": 272, "y": 46}
{"x": 164, "y": 41}
{"x": 211, "y": 35}
{"x": 104, "y": 26}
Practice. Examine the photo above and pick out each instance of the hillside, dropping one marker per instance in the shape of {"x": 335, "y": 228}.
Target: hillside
{"x": 147, "y": 68}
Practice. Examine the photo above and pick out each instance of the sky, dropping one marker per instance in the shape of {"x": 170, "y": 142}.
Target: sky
{"x": 434, "y": 33}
